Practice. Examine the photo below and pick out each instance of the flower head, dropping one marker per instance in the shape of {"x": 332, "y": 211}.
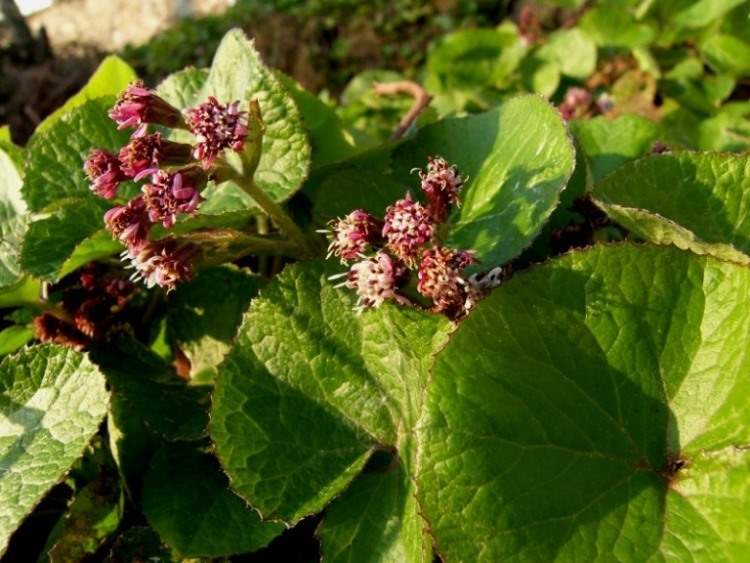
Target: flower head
{"x": 48, "y": 328}
{"x": 103, "y": 169}
{"x": 442, "y": 184}
{"x": 440, "y": 279}
{"x": 139, "y": 105}
{"x": 375, "y": 280}
{"x": 352, "y": 235}
{"x": 143, "y": 155}
{"x": 129, "y": 223}
{"x": 407, "y": 227}
{"x": 217, "y": 127}
{"x": 165, "y": 262}
{"x": 169, "y": 194}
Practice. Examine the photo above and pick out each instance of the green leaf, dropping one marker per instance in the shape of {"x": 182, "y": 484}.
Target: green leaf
{"x": 704, "y": 12}
{"x": 472, "y": 58}
{"x": 595, "y": 408}
{"x": 311, "y": 388}
{"x": 12, "y": 229}
{"x": 517, "y": 158}
{"x": 376, "y": 519}
{"x": 183, "y": 89}
{"x": 145, "y": 388}
{"x": 612, "y": 25}
{"x": 691, "y": 200}
{"x": 329, "y": 141}
{"x": 13, "y": 337}
{"x": 237, "y": 73}
{"x": 67, "y": 236}
{"x": 52, "y": 401}
{"x": 12, "y": 221}
{"x": 609, "y": 143}
{"x": 187, "y": 499}
{"x": 573, "y": 50}
{"x": 204, "y": 326}
{"x": 727, "y": 53}
{"x": 111, "y": 77}
{"x": 54, "y": 166}
{"x": 24, "y": 292}
{"x": 94, "y": 514}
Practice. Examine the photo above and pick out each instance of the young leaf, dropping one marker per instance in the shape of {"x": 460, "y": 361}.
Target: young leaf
{"x": 186, "y": 498}
{"x": 237, "y": 73}
{"x": 692, "y": 200}
{"x": 311, "y": 388}
{"x": 573, "y": 50}
{"x": 52, "y": 401}
{"x": 111, "y": 77}
{"x": 517, "y": 158}
{"x": 597, "y": 404}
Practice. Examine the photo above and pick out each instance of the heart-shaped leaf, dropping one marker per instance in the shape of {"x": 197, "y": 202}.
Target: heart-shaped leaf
{"x": 595, "y": 407}
{"x": 52, "y": 401}
{"x": 311, "y": 389}
{"x": 187, "y": 499}
{"x": 692, "y": 200}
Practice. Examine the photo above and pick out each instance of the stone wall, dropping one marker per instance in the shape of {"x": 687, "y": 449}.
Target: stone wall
{"x": 111, "y": 24}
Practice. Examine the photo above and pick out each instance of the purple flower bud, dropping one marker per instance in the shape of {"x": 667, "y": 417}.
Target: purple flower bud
{"x": 217, "y": 127}
{"x": 576, "y": 103}
{"x": 103, "y": 169}
{"x": 139, "y": 105}
{"x": 143, "y": 155}
{"x": 442, "y": 184}
{"x": 165, "y": 262}
{"x": 375, "y": 280}
{"x": 129, "y": 223}
{"x": 407, "y": 227}
{"x": 169, "y": 194}
{"x": 440, "y": 279}
{"x": 352, "y": 235}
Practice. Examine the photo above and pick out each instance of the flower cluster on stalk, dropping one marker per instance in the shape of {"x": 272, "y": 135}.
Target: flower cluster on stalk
{"x": 383, "y": 254}
{"x": 173, "y": 176}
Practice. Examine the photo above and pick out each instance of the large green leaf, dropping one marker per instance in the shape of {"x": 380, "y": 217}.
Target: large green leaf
{"x": 111, "y": 77}
{"x": 595, "y": 408}
{"x": 12, "y": 221}
{"x": 204, "y": 326}
{"x": 52, "y": 401}
{"x": 612, "y": 25}
{"x": 517, "y": 158}
{"x": 186, "y": 498}
{"x": 311, "y": 389}
{"x": 146, "y": 389}
{"x": 238, "y": 73}
{"x": 377, "y": 519}
{"x": 692, "y": 200}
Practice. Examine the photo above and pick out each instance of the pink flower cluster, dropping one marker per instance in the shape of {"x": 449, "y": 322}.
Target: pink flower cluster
{"x": 381, "y": 254}
{"x": 175, "y": 175}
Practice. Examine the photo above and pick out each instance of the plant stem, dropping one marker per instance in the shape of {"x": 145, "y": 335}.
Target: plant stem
{"x": 276, "y": 213}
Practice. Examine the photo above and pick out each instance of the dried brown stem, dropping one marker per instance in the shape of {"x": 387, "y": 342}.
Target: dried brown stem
{"x": 421, "y": 101}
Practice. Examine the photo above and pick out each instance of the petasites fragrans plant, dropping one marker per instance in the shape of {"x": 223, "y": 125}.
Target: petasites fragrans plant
{"x": 591, "y": 407}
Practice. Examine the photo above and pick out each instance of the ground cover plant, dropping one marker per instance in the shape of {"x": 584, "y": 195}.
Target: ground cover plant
{"x": 501, "y": 316}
